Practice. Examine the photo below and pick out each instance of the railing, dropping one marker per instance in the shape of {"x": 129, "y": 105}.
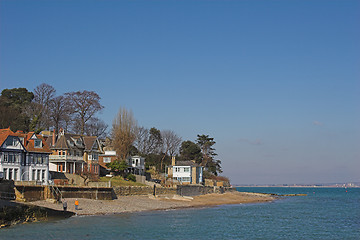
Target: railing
{"x": 11, "y": 162}
{"x": 65, "y": 158}
{"x": 56, "y": 192}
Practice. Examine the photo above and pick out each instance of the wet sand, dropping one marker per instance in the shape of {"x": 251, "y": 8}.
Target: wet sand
{"x": 127, "y": 204}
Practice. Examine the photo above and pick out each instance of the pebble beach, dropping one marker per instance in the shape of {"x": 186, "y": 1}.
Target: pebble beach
{"x": 126, "y": 204}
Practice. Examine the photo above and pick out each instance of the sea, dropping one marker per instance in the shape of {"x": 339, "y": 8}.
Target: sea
{"x": 325, "y": 213}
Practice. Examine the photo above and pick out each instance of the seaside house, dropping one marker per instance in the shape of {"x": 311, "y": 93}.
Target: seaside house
{"x": 186, "y": 172}
{"x": 136, "y": 165}
{"x": 106, "y": 157}
{"x": 24, "y": 156}
{"x": 67, "y": 153}
{"x": 91, "y": 154}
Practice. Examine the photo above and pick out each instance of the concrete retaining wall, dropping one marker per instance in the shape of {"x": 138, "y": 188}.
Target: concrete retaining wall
{"x": 34, "y": 193}
{"x": 98, "y": 193}
{"x": 30, "y": 193}
{"x": 7, "y": 189}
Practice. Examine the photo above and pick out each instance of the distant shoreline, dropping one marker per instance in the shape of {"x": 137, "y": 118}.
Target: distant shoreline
{"x": 300, "y": 186}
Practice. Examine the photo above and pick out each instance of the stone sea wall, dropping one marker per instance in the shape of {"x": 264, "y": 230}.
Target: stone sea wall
{"x": 196, "y": 190}
{"x": 142, "y": 190}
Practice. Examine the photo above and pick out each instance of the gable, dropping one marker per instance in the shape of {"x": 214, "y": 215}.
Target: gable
{"x": 33, "y": 136}
{"x": 96, "y": 145}
{"x": 12, "y": 142}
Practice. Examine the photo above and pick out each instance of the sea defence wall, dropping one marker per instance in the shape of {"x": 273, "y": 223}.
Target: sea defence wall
{"x": 196, "y": 190}
{"x": 7, "y": 189}
{"x": 34, "y": 193}
{"x": 142, "y": 190}
{"x": 97, "y": 193}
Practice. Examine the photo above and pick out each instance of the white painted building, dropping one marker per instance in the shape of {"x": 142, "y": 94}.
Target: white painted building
{"x": 136, "y": 165}
{"x": 186, "y": 172}
{"x": 23, "y": 157}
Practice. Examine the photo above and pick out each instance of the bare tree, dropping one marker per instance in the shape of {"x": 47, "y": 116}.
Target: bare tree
{"x": 38, "y": 110}
{"x": 44, "y": 93}
{"x": 142, "y": 136}
{"x": 171, "y": 142}
{"x": 59, "y": 112}
{"x": 148, "y": 141}
{"x": 96, "y": 127}
{"x": 123, "y": 132}
{"x": 85, "y": 105}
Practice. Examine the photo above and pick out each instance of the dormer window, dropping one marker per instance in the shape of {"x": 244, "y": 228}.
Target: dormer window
{"x": 11, "y": 141}
{"x": 37, "y": 143}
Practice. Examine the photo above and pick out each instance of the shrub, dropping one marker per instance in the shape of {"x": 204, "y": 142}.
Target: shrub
{"x": 131, "y": 177}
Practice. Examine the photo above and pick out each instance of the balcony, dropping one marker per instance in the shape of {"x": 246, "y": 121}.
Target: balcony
{"x": 54, "y": 158}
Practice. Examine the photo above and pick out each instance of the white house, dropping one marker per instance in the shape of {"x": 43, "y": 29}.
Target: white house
{"x": 136, "y": 165}
{"x": 23, "y": 157}
{"x": 186, "y": 172}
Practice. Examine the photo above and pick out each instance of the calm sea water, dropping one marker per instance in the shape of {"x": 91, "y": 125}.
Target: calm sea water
{"x": 326, "y": 213}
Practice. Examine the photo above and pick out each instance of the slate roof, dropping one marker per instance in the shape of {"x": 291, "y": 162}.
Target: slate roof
{"x": 61, "y": 143}
{"x": 69, "y": 141}
{"x": 186, "y": 163}
{"x": 89, "y": 142}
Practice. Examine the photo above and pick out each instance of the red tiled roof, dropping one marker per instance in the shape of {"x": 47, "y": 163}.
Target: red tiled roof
{"x": 4, "y": 133}
{"x": 28, "y": 143}
{"x": 30, "y": 146}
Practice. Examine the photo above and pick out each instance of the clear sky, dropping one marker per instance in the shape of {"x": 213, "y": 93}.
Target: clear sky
{"x": 276, "y": 83}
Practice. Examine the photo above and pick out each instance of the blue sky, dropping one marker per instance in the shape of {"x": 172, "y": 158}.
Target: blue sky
{"x": 276, "y": 83}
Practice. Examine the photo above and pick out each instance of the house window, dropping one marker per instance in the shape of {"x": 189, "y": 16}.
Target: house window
{"x": 11, "y": 141}
{"x": 43, "y": 175}
{"x": 186, "y": 179}
{"x": 33, "y": 174}
{"x": 186, "y": 169}
{"x": 10, "y": 173}
{"x": 11, "y": 158}
{"x": 107, "y": 159}
{"x": 15, "y": 174}
{"x": 5, "y": 173}
{"x": 38, "y": 174}
{"x": 37, "y": 143}
{"x": 6, "y": 157}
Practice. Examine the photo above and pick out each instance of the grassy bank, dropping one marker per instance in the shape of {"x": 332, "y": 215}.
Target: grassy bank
{"x": 120, "y": 181}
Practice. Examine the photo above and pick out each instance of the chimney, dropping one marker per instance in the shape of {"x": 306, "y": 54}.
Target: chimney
{"x": 173, "y": 161}
{"x": 53, "y": 138}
